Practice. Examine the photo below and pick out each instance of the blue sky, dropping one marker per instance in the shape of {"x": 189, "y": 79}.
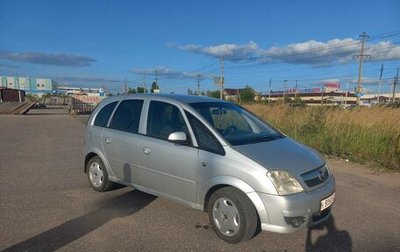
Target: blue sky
{"x": 94, "y": 43}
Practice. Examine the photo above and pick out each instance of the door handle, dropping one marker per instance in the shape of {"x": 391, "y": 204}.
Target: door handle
{"x": 107, "y": 140}
{"x": 146, "y": 151}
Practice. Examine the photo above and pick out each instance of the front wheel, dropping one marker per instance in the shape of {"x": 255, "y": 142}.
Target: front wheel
{"x": 232, "y": 215}
{"x": 97, "y": 175}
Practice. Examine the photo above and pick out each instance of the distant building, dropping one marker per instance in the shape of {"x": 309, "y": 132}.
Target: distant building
{"x": 233, "y": 94}
{"x": 331, "y": 87}
{"x": 11, "y": 95}
{"x": 329, "y": 98}
{"x": 80, "y": 91}
{"x": 36, "y": 86}
{"x": 314, "y": 98}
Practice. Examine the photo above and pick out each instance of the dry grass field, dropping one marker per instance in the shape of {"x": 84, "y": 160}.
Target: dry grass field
{"x": 364, "y": 135}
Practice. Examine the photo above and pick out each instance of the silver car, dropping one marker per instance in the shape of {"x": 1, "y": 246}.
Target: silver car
{"x": 211, "y": 155}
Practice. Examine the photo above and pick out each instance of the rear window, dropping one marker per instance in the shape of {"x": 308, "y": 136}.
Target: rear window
{"x": 127, "y": 116}
{"x": 104, "y": 114}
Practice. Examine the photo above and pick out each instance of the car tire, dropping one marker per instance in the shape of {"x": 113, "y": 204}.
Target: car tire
{"x": 97, "y": 175}
{"x": 232, "y": 215}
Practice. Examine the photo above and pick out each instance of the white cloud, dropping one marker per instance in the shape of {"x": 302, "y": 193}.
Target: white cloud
{"x": 311, "y": 52}
{"x": 168, "y": 73}
{"x": 383, "y": 51}
{"x": 232, "y": 52}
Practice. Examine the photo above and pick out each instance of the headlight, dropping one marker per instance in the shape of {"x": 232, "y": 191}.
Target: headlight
{"x": 284, "y": 182}
{"x": 327, "y": 167}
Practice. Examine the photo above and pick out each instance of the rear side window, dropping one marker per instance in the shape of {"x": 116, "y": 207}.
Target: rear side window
{"x": 104, "y": 114}
{"x": 164, "y": 119}
{"x": 127, "y": 116}
{"x": 205, "y": 139}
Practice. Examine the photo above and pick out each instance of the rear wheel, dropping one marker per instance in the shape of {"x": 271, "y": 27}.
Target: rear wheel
{"x": 232, "y": 215}
{"x": 97, "y": 175}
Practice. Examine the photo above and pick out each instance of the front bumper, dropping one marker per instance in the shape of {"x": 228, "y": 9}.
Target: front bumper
{"x": 285, "y": 214}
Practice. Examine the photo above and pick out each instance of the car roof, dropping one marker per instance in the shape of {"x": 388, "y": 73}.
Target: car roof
{"x": 177, "y": 97}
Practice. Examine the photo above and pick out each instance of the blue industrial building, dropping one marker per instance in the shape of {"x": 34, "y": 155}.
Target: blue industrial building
{"x": 34, "y": 86}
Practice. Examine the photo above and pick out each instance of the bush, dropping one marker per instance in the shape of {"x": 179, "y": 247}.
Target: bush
{"x": 363, "y": 134}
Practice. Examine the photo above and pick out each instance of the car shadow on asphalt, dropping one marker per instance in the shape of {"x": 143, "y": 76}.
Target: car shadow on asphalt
{"x": 55, "y": 238}
{"x": 333, "y": 240}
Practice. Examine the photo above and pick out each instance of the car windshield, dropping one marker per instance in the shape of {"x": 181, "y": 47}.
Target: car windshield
{"x": 235, "y": 124}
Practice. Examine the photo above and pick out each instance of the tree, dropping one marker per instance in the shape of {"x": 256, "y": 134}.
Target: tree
{"x": 214, "y": 94}
{"x": 154, "y": 86}
{"x": 140, "y": 90}
{"x": 287, "y": 99}
{"x": 247, "y": 94}
{"x": 131, "y": 91}
{"x": 298, "y": 100}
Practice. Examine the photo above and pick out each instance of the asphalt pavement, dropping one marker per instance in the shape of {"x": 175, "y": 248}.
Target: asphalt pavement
{"x": 46, "y": 203}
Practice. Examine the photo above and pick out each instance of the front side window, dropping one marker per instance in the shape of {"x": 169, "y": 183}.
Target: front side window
{"x": 104, "y": 115}
{"x": 235, "y": 124}
{"x": 164, "y": 119}
{"x": 127, "y": 116}
{"x": 205, "y": 139}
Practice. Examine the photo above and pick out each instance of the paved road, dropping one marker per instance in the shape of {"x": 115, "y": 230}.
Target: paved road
{"x": 46, "y": 204}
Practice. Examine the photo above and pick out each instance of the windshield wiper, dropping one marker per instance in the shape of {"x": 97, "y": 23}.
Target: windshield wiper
{"x": 273, "y": 137}
{"x": 259, "y": 139}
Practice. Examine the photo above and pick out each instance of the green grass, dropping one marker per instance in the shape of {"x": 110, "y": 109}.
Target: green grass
{"x": 364, "y": 135}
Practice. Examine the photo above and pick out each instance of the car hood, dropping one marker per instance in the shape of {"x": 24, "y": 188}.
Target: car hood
{"x": 283, "y": 154}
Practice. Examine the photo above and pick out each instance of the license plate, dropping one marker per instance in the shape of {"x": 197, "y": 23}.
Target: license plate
{"x": 325, "y": 203}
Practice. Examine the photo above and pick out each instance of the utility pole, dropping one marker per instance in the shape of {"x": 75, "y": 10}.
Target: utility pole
{"x": 269, "y": 93}
{"x": 221, "y": 96}
{"x": 284, "y": 89}
{"x": 126, "y": 87}
{"x": 295, "y": 90}
{"x": 144, "y": 79}
{"x": 198, "y": 84}
{"x": 394, "y": 86}
{"x": 156, "y": 80}
{"x": 380, "y": 85}
{"x": 347, "y": 90}
{"x": 363, "y": 38}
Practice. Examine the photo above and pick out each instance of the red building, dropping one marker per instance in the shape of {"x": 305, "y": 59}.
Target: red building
{"x": 11, "y": 95}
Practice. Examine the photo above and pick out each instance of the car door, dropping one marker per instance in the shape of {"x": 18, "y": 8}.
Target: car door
{"x": 211, "y": 154}
{"x": 169, "y": 169}
{"x": 121, "y": 141}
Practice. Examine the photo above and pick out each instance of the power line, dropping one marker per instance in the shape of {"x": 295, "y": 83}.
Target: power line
{"x": 324, "y": 48}
{"x": 204, "y": 67}
{"x": 297, "y": 57}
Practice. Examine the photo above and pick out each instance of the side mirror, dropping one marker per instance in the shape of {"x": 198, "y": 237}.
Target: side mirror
{"x": 178, "y": 138}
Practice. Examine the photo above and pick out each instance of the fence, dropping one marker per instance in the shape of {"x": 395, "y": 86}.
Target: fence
{"x": 83, "y": 104}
